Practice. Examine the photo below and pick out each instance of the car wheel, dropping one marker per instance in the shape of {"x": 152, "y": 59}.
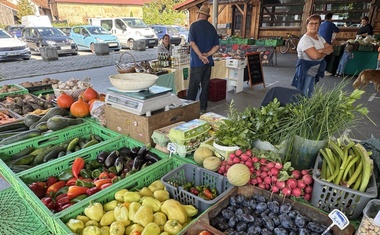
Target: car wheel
{"x": 130, "y": 44}
{"x": 76, "y": 53}
{"x": 92, "y": 48}
{"x": 26, "y": 58}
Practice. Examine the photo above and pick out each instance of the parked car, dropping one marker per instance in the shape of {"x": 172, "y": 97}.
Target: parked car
{"x": 12, "y": 48}
{"x": 182, "y": 32}
{"x": 37, "y": 37}
{"x": 65, "y": 30}
{"x": 87, "y": 35}
{"x": 173, "y": 32}
{"x": 14, "y": 30}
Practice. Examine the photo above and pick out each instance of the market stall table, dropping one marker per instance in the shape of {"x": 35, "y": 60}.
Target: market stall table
{"x": 362, "y": 60}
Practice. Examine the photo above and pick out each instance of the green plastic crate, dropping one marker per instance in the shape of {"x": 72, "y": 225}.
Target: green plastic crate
{"x": 223, "y": 42}
{"x": 16, "y": 216}
{"x": 245, "y": 41}
{"x": 260, "y": 42}
{"x": 41, "y": 173}
{"x": 21, "y": 91}
{"x": 135, "y": 182}
{"x": 274, "y": 42}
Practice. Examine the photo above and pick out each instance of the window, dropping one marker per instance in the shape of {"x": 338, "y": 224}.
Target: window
{"x": 346, "y": 14}
{"x": 280, "y": 13}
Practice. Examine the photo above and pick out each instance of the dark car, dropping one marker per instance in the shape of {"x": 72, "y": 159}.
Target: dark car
{"x": 65, "y": 30}
{"x": 173, "y": 32}
{"x": 37, "y": 37}
{"x": 14, "y": 30}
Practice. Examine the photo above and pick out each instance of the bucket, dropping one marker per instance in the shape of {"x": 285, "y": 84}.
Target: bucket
{"x": 370, "y": 224}
{"x": 225, "y": 151}
{"x": 305, "y": 152}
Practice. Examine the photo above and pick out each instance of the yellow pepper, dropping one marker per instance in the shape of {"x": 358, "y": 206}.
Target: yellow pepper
{"x": 134, "y": 227}
{"x": 107, "y": 219}
{"x": 121, "y": 215}
{"x": 132, "y": 209}
{"x": 161, "y": 195}
{"x": 92, "y": 223}
{"x": 132, "y": 197}
{"x": 92, "y": 230}
{"x": 143, "y": 216}
{"x": 172, "y": 227}
{"x": 164, "y": 233}
{"x": 109, "y": 206}
{"x": 105, "y": 230}
{"x": 83, "y": 218}
{"x": 119, "y": 195}
{"x": 174, "y": 210}
{"x": 152, "y": 203}
{"x": 75, "y": 225}
{"x": 151, "y": 229}
{"x": 117, "y": 228}
{"x": 94, "y": 211}
{"x": 156, "y": 185}
{"x": 146, "y": 192}
{"x": 159, "y": 218}
{"x": 190, "y": 210}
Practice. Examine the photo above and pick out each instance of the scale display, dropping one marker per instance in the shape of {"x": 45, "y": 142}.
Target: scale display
{"x": 152, "y": 91}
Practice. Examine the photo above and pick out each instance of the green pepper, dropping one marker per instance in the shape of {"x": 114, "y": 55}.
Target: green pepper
{"x": 78, "y": 198}
{"x": 81, "y": 183}
{"x": 199, "y": 188}
{"x": 112, "y": 169}
{"x": 65, "y": 175}
{"x": 62, "y": 190}
{"x": 214, "y": 192}
{"x": 95, "y": 173}
{"x": 95, "y": 164}
{"x": 85, "y": 173}
{"x": 188, "y": 186}
{"x": 131, "y": 172}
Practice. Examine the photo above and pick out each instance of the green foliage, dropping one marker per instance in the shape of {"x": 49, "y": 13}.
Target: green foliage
{"x": 131, "y": 14}
{"x": 25, "y": 8}
{"x": 162, "y": 12}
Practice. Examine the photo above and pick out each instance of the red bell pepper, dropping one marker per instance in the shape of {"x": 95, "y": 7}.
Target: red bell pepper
{"x": 63, "y": 201}
{"x": 104, "y": 175}
{"x": 106, "y": 185}
{"x": 41, "y": 184}
{"x": 48, "y": 202}
{"x": 61, "y": 208}
{"x": 75, "y": 191}
{"x": 92, "y": 190}
{"x": 37, "y": 189}
{"x": 100, "y": 182}
{"x": 51, "y": 180}
{"x": 55, "y": 187}
{"x": 57, "y": 198}
{"x": 71, "y": 182}
{"x": 77, "y": 166}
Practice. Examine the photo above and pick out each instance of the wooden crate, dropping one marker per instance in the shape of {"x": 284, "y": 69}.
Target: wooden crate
{"x": 198, "y": 226}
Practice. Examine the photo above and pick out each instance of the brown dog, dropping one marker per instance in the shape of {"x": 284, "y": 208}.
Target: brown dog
{"x": 366, "y": 76}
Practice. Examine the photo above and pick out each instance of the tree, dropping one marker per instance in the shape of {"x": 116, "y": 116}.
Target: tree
{"x": 162, "y": 12}
{"x": 25, "y": 8}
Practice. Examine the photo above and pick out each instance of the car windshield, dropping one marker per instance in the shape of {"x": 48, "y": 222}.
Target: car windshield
{"x": 4, "y": 34}
{"x": 135, "y": 23}
{"x": 172, "y": 30}
{"x": 181, "y": 29}
{"x": 49, "y": 32}
{"x": 98, "y": 31}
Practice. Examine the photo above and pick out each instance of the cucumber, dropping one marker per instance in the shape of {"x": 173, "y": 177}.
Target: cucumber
{"x": 58, "y": 122}
{"x": 40, "y": 157}
{"x": 11, "y": 126}
{"x": 25, "y": 160}
{"x": 23, "y": 152}
{"x": 20, "y": 136}
{"x": 19, "y": 168}
{"x": 53, "y": 154}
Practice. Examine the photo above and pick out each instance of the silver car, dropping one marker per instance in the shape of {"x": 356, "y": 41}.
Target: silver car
{"x": 12, "y": 48}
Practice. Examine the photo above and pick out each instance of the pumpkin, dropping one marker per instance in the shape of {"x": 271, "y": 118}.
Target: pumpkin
{"x": 80, "y": 108}
{"x": 212, "y": 163}
{"x": 90, "y": 94}
{"x": 201, "y": 154}
{"x": 64, "y": 100}
{"x": 238, "y": 174}
{"x": 91, "y": 103}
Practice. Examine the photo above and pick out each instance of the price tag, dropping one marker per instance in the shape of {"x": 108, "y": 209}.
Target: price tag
{"x": 172, "y": 148}
{"x": 339, "y": 219}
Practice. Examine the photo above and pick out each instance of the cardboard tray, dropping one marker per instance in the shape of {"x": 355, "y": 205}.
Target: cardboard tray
{"x": 305, "y": 209}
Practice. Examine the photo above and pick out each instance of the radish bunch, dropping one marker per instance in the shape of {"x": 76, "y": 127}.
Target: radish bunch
{"x": 272, "y": 175}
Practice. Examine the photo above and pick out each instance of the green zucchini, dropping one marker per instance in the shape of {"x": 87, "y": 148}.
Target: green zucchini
{"x": 51, "y": 113}
{"x": 30, "y": 119}
{"x": 58, "y": 122}
{"x": 20, "y": 136}
{"x": 25, "y": 160}
{"x": 53, "y": 154}
{"x": 42, "y": 126}
{"x": 40, "y": 157}
{"x": 11, "y": 126}
{"x": 19, "y": 168}
{"x": 23, "y": 152}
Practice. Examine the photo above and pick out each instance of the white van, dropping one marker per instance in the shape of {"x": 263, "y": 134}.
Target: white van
{"x": 128, "y": 30}
{"x": 36, "y": 21}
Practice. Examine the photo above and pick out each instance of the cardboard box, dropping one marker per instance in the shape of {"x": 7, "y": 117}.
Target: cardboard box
{"x": 235, "y": 63}
{"x": 141, "y": 127}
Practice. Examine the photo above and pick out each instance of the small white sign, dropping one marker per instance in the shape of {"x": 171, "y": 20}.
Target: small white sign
{"x": 339, "y": 219}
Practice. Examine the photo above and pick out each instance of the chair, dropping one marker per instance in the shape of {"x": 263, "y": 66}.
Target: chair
{"x": 284, "y": 95}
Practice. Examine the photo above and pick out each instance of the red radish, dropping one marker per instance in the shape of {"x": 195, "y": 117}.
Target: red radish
{"x": 263, "y": 174}
{"x": 220, "y": 171}
{"x": 307, "y": 196}
{"x": 236, "y": 160}
{"x": 230, "y": 162}
{"x": 292, "y": 183}
{"x": 296, "y": 174}
{"x": 274, "y": 171}
{"x": 308, "y": 189}
{"x": 275, "y": 189}
{"x": 267, "y": 186}
{"x": 278, "y": 166}
{"x": 254, "y": 181}
{"x": 264, "y": 168}
{"x": 263, "y": 161}
{"x": 224, "y": 163}
{"x": 280, "y": 184}
{"x": 227, "y": 167}
{"x": 301, "y": 184}
{"x": 255, "y": 159}
{"x": 308, "y": 179}
{"x": 261, "y": 185}
{"x": 270, "y": 165}
{"x": 244, "y": 157}
{"x": 305, "y": 172}
{"x": 259, "y": 180}
{"x": 286, "y": 191}
{"x": 223, "y": 168}
{"x": 232, "y": 156}
{"x": 268, "y": 180}
{"x": 249, "y": 164}
{"x": 249, "y": 152}
{"x": 297, "y": 192}
{"x": 251, "y": 170}
{"x": 238, "y": 152}
{"x": 274, "y": 179}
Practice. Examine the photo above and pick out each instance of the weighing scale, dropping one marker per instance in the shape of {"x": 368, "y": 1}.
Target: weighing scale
{"x": 144, "y": 101}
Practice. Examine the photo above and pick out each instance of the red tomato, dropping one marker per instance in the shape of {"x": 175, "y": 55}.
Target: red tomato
{"x": 205, "y": 233}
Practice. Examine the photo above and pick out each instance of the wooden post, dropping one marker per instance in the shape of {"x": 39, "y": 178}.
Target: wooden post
{"x": 49, "y": 53}
{"x": 102, "y": 49}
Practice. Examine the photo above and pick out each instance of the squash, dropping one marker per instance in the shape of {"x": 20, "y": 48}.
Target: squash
{"x": 201, "y": 154}
{"x": 58, "y": 122}
{"x": 90, "y": 94}
{"x": 212, "y": 163}
{"x": 238, "y": 174}
{"x": 80, "y": 108}
{"x": 64, "y": 100}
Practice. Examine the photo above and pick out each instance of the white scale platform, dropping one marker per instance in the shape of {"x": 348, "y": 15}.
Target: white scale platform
{"x": 143, "y": 102}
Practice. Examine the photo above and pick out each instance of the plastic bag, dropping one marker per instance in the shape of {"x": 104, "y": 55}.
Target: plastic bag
{"x": 97, "y": 112}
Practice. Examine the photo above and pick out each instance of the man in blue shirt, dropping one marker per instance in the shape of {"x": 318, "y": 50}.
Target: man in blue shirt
{"x": 204, "y": 42}
{"x": 326, "y": 30}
